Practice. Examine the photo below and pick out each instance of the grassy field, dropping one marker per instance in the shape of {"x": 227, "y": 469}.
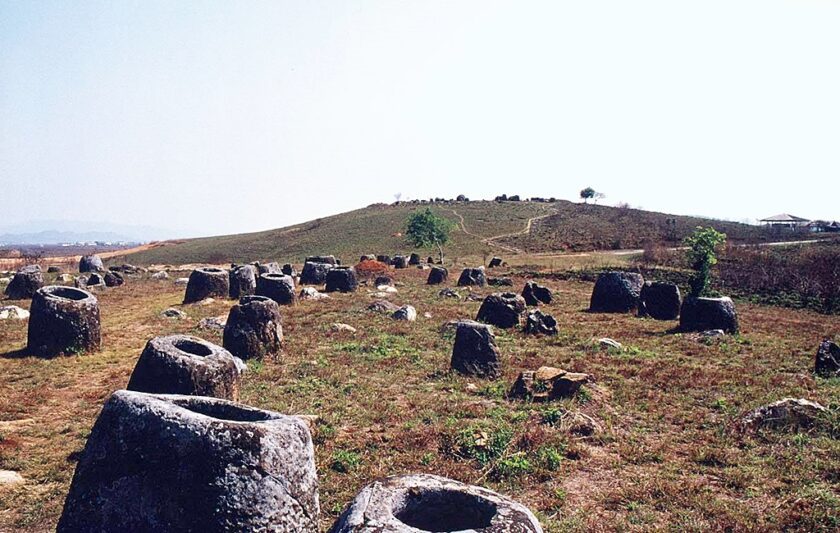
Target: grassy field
{"x": 666, "y": 457}
{"x": 557, "y": 227}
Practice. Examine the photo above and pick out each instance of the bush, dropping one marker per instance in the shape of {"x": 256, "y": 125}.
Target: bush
{"x": 702, "y": 255}
{"x": 370, "y": 269}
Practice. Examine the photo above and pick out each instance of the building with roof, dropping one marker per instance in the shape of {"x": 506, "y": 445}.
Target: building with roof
{"x": 785, "y": 221}
{"x": 824, "y": 226}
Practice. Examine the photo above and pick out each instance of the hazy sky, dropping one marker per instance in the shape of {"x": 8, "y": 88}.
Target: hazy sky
{"x": 212, "y": 117}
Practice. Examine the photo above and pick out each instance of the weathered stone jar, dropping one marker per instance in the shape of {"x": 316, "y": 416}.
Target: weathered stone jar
{"x": 437, "y": 275}
{"x": 169, "y": 463}
{"x": 314, "y": 273}
{"x": 472, "y": 276}
{"x": 207, "y": 282}
{"x": 422, "y": 503}
{"x": 660, "y": 300}
{"x": 254, "y": 328}
{"x": 616, "y": 292}
{"x": 278, "y": 287}
{"x": 182, "y": 364}
{"x": 243, "y": 281}
{"x": 502, "y": 309}
{"x": 474, "y": 352}
{"x": 91, "y": 263}
{"x": 703, "y": 314}
{"x": 341, "y": 279}
{"x": 25, "y": 283}
{"x": 63, "y": 320}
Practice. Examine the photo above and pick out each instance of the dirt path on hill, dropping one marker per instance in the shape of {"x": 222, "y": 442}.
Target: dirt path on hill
{"x": 489, "y": 240}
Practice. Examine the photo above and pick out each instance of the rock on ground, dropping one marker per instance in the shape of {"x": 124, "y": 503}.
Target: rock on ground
{"x": 608, "y": 343}
{"x": 547, "y": 383}
{"x": 10, "y": 478}
{"x": 383, "y": 306}
{"x": 173, "y": 313}
{"x": 539, "y": 323}
{"x": 502, "y": 309}
{"x": 788, "y": 414}
{"x": 213, "y": 323}
{"x": 311, "y": 293}
{"x": 405, "y": 312}
{"x": 25, "y": 283}
{"x": 827, "y": 362}
{"x": 13, "y": 312}
{"x": 536, "y": 294}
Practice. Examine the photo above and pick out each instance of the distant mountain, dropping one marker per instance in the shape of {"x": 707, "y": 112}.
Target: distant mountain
{"x": 62, "y": 231}
{"x": 57, "y": 237}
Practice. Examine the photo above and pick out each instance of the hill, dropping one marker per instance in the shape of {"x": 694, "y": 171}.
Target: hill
{"x": 483, "y": 228}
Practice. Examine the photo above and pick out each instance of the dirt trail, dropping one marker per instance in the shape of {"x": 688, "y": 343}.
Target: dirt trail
{"x": 489, "y": 240}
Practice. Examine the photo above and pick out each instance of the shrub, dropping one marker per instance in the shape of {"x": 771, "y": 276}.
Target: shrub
{"x": 702, "y": 255}
{"x": 370, "y": 269}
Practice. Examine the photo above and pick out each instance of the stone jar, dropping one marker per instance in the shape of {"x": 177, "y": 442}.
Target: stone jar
{"x": 169, "y": 463}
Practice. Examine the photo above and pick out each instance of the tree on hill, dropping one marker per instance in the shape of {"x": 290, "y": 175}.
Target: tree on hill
{"x": 428, "y": 230}
{"x": 591, "y": 194}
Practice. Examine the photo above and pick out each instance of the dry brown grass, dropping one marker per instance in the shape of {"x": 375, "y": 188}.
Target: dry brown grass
{"x": 388, "y": 405}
